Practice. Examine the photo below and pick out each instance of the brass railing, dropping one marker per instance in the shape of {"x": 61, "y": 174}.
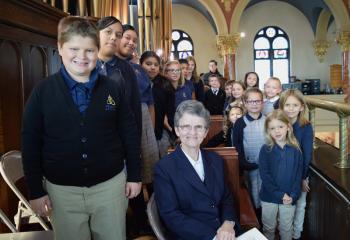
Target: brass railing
{"x": 343, "y": 111}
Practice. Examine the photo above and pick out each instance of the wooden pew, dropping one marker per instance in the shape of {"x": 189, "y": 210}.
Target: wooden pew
{"x": 216, "y": 122}
{"x": 242, "y": 202}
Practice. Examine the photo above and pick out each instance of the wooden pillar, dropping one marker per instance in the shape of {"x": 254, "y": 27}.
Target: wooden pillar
{"x": 227, "y": 46}
{"x": 147, "y": 24}
{"x": 141, "y": 22}
{"x": 156, "y": 34}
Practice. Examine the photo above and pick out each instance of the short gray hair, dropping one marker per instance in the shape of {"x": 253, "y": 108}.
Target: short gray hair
{"x": 192, "y": 107}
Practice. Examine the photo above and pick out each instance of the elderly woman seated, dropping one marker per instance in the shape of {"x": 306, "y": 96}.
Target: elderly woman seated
{"x": 190, "y": 191}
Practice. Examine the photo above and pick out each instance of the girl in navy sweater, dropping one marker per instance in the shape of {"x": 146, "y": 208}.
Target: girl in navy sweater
{"x": 280, "y": 166}
{"x": 292, "y": 102}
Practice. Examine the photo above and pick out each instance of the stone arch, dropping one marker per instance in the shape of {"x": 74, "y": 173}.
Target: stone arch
{"x": 340, "y": 13}
{"x": 236, "y": 16}
{"x": 217, "y": 15}
{"x": 322, "y": 25}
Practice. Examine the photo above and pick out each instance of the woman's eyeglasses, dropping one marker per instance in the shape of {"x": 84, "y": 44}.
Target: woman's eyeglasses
{"x": 188, "y": 128}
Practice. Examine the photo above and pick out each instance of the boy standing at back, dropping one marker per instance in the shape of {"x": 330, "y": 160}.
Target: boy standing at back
{"x": 248, "y": 138}
{"x": 272, "y": 89}
{"x": 214, "y": 98}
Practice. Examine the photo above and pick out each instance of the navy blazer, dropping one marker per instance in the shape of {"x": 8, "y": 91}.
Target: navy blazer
{"x": 190, "y": 208}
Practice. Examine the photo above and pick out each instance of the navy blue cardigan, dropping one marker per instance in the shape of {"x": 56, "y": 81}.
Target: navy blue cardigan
{"x": 190, "y": 208}
{"x": 74, "y": 149}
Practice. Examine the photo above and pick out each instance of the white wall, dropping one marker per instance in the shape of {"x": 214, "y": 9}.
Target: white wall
{"x": 304, "y": 64}
{"x": 203, "y": 36}
{"x": 334, "y": 55}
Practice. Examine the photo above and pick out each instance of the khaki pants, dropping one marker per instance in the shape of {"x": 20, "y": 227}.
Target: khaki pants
{"x": 299, "y": 215}
{"x": 271, "y": 212}
{"x": 83, "y": 213}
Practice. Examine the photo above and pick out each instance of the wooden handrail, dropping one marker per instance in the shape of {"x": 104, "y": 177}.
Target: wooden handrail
{"x": 343, "y": 111}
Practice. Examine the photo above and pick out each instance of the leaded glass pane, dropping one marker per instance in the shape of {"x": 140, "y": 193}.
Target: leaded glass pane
{"x": 184, "y": 35}
{"x": 280, "y": 53}
{"x": 280, "y": 42}
{"x": 262, "y": 67}
{"x": 280, "y": 70}
{"x": 270, "y": 32}
{"x": 261, "y": 32}
{"x": 183, "y": 55}
{"x": 280, "y": 31}
{"x": 261, "y": 54}
{"x": 261, "y": 43}
{"x": 184, "y": 45}
{"x": 172, "y": 47}
{"x": 175, "y": 35}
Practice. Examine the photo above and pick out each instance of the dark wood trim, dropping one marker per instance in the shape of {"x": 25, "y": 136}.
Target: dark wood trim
{"x": 34, "y": 16}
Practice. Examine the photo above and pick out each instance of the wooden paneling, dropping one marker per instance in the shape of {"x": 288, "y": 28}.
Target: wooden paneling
{"x": 11, "y": 72}
{"x": 328, "y": 208}
{"x": 1, "y": 132}
{"x": 28, "y": 31}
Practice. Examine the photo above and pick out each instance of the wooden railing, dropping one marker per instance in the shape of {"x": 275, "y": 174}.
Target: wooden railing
{"x": 343, "y": 111}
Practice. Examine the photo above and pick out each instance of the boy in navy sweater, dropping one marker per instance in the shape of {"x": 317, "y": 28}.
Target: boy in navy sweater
{"x": 77, "y": 131}
{"x": 214, "y": 98}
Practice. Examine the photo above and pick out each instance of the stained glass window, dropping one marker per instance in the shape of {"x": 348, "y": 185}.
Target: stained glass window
{"x": 182, "y": 45}
{"x": 271, "y": 54}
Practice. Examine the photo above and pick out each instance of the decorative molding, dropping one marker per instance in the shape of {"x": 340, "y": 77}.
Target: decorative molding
{"x": 227, "y": 4}
{"x": 227, "y": 44}
{"x": 321, "y": 48}
{"x": 344, "y": 40}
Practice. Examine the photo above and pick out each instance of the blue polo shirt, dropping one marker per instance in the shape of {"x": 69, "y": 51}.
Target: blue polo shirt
{"x": 144, "y": 83}
{"x": 182, "y": 93}
{"x": 80, "y": 92}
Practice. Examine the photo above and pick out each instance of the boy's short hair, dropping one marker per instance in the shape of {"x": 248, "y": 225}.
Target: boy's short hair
{"x": 213, "y": 76}
{"x": 213, "y": 61}
{"x": 252, "y": 90}
{"x": 275, "y": 79}
{"x": 229, "y": 82}
{"x": 76, "y": 26}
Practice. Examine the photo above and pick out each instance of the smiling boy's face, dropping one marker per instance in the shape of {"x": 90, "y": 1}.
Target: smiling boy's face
{"x": 214, "y": 82}
{"x": 79, "y": 56}
{"x": 272, "y": 88}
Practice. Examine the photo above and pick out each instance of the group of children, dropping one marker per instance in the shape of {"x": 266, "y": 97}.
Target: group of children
{"x": 274, "y": 142}
{"x": 274, "y": 146}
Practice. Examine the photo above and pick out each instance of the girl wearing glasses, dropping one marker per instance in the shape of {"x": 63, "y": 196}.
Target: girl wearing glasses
{"x": 183, "y": 92}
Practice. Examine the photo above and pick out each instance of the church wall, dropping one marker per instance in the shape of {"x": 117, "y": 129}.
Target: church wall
{"x": 303, "y": 62}
{"x": 202, "y": 34}
{"x": 334, "y": 52}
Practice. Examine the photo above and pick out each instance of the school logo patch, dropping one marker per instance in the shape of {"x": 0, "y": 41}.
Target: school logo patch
{"x": 110, "y": 104}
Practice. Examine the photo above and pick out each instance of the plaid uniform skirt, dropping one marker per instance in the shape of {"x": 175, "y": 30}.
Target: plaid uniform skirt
{"x": 149, "y": 147}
